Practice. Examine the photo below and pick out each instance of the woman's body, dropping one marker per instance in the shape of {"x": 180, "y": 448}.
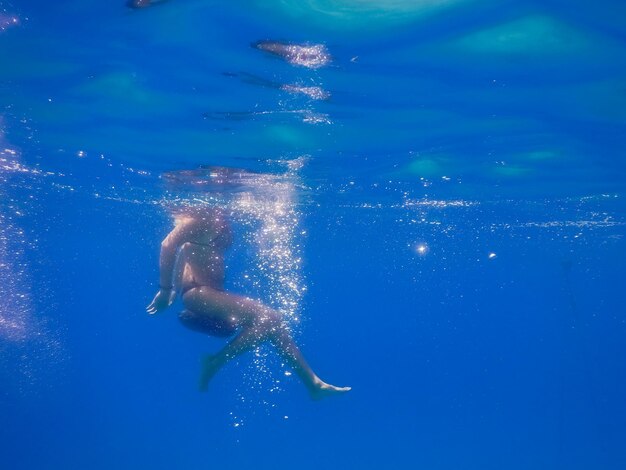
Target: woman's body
{"x": 198, "y": 242}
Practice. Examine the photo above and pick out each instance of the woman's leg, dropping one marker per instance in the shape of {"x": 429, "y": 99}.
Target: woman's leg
{"x": 259, "y": 324}
{"x": 283, "y": 342}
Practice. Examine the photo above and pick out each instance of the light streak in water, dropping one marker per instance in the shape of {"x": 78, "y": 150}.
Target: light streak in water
{"x": 270, "y": 209}
{"x": 15, "y": 306}
{"x": 313, "y": 92}
{"x": 306, "y": 115}
{"x": 438, "y": 204}
{"x": 25, "y": 338}
{"x": 316, "y": 118}
{"x": 7, "y": 21}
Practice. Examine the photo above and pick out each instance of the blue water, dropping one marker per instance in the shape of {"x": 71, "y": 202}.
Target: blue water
{"x": 456, "y": 197}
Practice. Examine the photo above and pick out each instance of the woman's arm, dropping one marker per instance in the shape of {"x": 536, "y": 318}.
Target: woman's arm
{"x": 170, "y": 248}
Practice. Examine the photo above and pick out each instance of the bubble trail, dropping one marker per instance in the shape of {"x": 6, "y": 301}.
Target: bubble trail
{"x": 16, "y": 303}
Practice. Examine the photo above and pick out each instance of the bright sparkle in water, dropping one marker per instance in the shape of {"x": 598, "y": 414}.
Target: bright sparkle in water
{"x": 421, "y": 249}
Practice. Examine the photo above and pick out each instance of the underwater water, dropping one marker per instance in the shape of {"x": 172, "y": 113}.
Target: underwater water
{"x": 436, "y": 206}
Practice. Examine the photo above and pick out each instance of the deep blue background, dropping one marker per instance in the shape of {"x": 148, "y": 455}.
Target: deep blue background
{"x": 473, "y": 127}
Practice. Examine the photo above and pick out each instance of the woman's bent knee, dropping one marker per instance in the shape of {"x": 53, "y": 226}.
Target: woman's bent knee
{"x": 207, "y": 324}
{"x": 244, "y": 310}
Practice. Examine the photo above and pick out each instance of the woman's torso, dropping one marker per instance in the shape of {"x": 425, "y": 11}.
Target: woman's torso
{"x": 202, "y": 255}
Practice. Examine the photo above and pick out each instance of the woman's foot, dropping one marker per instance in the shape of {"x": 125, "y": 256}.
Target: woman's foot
{"x": 322, "y": 390}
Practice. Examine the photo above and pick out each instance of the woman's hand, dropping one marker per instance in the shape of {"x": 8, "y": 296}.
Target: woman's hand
{"x": 163, "y": 299}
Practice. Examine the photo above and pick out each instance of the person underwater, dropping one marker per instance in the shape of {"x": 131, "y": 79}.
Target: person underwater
{"x": 196, "y": 246}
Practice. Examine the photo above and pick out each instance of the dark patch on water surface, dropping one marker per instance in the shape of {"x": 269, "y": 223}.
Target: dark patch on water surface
{"x": 313, "y": 92}
{"x": 312, "y": 56}
{"x": 138, "y": 4}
